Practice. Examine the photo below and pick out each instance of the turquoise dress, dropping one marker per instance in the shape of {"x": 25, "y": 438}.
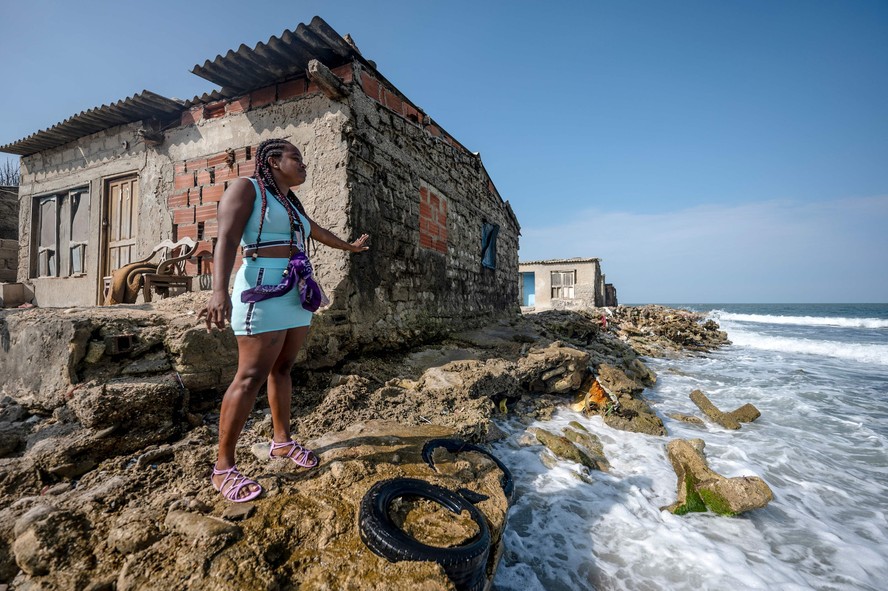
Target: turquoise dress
{"x": 280, "y": 313}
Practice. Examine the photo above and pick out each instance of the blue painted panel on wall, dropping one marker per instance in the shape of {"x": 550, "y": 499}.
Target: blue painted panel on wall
{"x": 529, "y": 289}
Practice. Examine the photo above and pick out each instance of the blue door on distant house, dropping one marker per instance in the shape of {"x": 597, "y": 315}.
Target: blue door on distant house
{"x": 528, "y": 289}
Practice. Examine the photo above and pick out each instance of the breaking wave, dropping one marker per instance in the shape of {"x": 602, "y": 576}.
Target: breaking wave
{"x": 802, "y": 320}
{"x": 863, "y": 353}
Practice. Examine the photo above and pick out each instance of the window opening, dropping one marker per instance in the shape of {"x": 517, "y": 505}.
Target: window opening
{"x": 46, "y": 246}
{"x": 563, "y": 284}
{"x": 489, "y": 233}
{"x": 61, "y": 225}
{"x": 79, "y": 204}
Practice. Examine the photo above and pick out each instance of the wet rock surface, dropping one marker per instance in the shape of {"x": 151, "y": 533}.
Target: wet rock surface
{"x": 701, "y": 489}
{"x": 106, "y": 445}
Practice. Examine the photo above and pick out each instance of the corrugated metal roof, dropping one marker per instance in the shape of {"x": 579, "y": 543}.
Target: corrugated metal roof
{"x": 246, "y": 69}
{"x": 207, "y": 97}
{"x": 277, "y": 60}
{"x": 144, "y": 105}
{"x": 560, "y": 261}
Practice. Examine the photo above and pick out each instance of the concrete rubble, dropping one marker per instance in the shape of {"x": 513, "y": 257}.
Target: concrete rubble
{"x": 701, "y": 489}
{"x": 108, "y": 426}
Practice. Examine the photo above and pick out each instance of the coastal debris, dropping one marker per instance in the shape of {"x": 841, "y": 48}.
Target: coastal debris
{"x": 745, "y": 414}
{"x": 553, "y": 369}
{"x": 113, "y": 442}
{"x": 710, "y": 410}
{"x": 659, "y": 331}
{"x": 588, "y": 442}
{"x": 701, "y": 489}
{"x": 563, "y": 448}
{"x": 690, "y": 419}
{"x": 591, "y": 397}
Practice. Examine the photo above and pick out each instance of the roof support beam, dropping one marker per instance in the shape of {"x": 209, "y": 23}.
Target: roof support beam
{"x": 330, "y": 83}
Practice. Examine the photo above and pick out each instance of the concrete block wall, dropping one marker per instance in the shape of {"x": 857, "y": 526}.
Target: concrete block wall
{"x": 423, "y": 197}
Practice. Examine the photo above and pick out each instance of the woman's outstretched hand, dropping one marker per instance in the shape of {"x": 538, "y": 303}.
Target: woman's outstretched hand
{"x": 218, "y": 311}
{"x": 360, "y": 245}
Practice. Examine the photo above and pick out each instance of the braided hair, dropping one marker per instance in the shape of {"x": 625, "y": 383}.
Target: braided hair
{"x": 274, "y": 148}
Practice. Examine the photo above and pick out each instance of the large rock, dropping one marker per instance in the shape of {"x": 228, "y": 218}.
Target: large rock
{"x": 745, "y": 414}
{"x": 204, "y": 360}
{"x": 658, "y": 331}
{"x": 12, "y": 438}
{"x": 700, "y": 488}
{"x": 48, "y": 539}
{"x": 38, "y": 364}
{"x": 554, "y": 369}
{"x": 146, "y": 404}
{"x": 634, "y": 415}
{"x": 617, "y": 382}
{"x": 303, "y": 532}
{"x": 565, "y": 449}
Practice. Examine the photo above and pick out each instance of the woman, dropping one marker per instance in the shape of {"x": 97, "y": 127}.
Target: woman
{"x": 271, "y": 225}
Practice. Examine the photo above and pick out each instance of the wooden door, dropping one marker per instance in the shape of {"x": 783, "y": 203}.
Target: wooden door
{"x": 122, "y": 209}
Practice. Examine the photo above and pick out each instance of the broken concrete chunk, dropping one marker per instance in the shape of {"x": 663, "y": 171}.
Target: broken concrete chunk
{"x": 712, "y": 411}
{"x": 745, "y": 414}
{"x": 94, "y": 351}
{"x": 686, "y": 418}
{"x": 701, "y": 489}
{"x": 590, "y": 444}
{"x": 563, "y": 448}
{"x": 133, "y": 531}
{"x": 555, "y": 369}
{"x": 47, "y": 539}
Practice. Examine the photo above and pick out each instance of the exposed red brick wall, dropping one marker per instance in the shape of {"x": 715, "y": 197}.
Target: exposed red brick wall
{"x": 263, "y": 96}
{"x": 260, "y": 97}
{"x": 198, "y": 186}
{"x": 293, "y": 88}
{"x": 432, "y": 219}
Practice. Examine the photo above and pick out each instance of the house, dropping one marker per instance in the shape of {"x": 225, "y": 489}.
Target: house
{"x": 564, "y": 284}
{"x": 99, "y": 189}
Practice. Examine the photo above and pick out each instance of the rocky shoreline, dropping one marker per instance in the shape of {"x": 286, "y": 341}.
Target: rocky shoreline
{"x": 105, "y": 451}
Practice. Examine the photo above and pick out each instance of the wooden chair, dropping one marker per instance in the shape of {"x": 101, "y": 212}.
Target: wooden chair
{"x": 171, "y": 272}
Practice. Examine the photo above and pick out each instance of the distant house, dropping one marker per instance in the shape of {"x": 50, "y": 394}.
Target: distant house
{"x": 99, "y": 189}
{"x": 564, "y": 284}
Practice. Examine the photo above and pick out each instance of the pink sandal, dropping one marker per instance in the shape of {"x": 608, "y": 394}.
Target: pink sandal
{"x": 301, "y": 456}
{"x": 235, "y": 481}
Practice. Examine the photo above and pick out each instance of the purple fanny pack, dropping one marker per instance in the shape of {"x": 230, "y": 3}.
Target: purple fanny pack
{"x": 298, "y": 272}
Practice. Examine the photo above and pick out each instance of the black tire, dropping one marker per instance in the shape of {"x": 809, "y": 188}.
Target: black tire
{"x": 465, "y": 564}
{"x": 458, "y": 446}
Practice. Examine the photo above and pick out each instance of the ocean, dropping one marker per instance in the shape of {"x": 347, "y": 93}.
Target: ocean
{"x": 819, "y": 375}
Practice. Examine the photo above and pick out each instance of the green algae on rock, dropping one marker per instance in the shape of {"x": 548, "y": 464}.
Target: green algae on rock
{"x": 700, "y": 488}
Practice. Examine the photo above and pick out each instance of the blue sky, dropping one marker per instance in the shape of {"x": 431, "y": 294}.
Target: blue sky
{"x": 730, "y": 151}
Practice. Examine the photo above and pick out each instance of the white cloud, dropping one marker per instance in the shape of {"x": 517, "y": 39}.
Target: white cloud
{"x": 771, "y": 251}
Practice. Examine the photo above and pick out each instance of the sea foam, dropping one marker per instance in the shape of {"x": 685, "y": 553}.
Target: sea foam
{"x": 863, "y": 353}
{"x": 802, "y": 320}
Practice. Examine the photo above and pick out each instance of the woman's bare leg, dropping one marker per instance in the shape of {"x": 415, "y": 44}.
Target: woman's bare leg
{"x": 280, "y": 385}
{"x": 256, "y": 356}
